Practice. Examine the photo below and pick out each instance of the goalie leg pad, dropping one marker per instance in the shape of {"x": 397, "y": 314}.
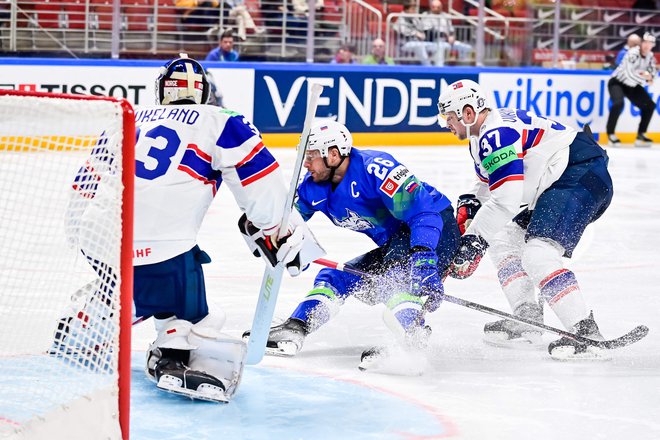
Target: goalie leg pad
{"x": 172, "y": 334}
{"x": 81, "y": 328}
{"x": 221, "y": 356}
{"x": 173, "y": 375}
{"x": 196, "y": 360}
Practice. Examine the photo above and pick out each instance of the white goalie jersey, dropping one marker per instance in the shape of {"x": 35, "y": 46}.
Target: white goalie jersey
{"x": 182, "y": 155}
{"x": 517, "y": 156}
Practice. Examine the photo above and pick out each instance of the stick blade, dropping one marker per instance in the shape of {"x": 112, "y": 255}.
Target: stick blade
{"x": 629, "y": 338}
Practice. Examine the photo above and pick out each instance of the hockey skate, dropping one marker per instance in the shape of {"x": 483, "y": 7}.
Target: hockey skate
{"x": 285, "y": 339}
{"x": 509, "y": 333}
{"x": 613, "y": 140}
{"x": 566, "y": 348}
{"x": 643, "y": 141}
{"x": 173, "y": 375}
{"x": 406, "y": 358}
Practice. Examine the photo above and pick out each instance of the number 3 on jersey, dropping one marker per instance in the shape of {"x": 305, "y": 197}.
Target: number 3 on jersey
{"x": 162, "y": 156}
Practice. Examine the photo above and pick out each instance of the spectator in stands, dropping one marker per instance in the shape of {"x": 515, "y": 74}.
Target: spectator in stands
{"x": 438, "y": 28}
{"x": 636, "y": 69}
{"x": 410, "y": 29}
{"x": 225, "y": 50}
{"x": 344, "y": 55}
{"x": 4, "y": 14}
{"x": 634, "y": 40}
{"x": 244, "y": 21}
{"x": 202, "y": 13}
{"x": 430, "y": 34}
{"x": 377, "y": 55}
{"x": 301, "y": 7}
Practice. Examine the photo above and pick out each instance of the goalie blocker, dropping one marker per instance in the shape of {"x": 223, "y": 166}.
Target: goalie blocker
{"x": 296, "y": 250}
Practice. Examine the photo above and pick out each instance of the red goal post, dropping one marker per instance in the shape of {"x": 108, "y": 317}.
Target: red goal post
{"x": 66, "y": 273}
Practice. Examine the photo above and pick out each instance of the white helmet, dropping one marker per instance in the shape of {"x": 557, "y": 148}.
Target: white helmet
{"x": 182, "y": 79}
{"x": 327, "y": 134}
{"x": 457, "y": 96}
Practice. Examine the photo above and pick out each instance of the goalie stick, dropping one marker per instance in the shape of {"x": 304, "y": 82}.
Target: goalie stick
{"x": 629, "y": 338}
{"x": 270, "y": 284}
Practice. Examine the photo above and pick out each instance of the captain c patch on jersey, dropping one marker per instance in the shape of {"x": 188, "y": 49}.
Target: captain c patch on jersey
{"x": 394, "y": 180}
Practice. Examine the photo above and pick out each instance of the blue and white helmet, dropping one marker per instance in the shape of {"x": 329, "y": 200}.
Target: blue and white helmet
{"x": 328, "y": 134}
{"x": 182, "y": 81}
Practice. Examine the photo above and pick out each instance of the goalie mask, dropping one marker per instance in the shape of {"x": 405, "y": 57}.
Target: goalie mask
{"x": 326, "y": 135}
{"x": 182, "y": 81}
{"x": 457, "y": 96}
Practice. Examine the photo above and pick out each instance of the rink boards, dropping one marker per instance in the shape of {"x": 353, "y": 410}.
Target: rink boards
{"x": 381, "y": 105}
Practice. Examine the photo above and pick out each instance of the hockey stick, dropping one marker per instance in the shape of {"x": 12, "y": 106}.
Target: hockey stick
{"x": 272, "y": 279}
{"x": 629, "y": 338}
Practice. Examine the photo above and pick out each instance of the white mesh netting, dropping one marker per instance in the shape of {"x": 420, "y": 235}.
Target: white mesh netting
{"x": 60, "y": 242}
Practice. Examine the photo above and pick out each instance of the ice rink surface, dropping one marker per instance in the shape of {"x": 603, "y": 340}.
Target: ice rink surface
{"x": 470, "y": 390}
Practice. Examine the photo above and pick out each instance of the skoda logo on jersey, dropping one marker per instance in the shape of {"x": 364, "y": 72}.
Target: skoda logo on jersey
{"x": 353, "y": 222}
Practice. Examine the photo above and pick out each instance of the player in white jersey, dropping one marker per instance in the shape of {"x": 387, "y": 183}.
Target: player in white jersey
{"x": 539, "y": 184}
{"x": 636, "y": 70}
{"x": 184, "y": 150}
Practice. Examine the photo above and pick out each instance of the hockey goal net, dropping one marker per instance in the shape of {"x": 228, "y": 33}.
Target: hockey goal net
{"x": 66, "y": 205}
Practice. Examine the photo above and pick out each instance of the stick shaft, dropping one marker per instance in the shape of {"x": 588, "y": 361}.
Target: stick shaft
{"x": 272, "y": 278}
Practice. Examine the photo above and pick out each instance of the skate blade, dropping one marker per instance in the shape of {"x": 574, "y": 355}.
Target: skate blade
{"x": 528, "y": 340}
{"x": 592, "y": 354}
{"x": 397, "y": 362}
{"x": 284, "y": 349}
{"x": 204, "y": 392}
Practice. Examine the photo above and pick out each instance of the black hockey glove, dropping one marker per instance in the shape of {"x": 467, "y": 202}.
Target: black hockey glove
{"x": 466, "y": 209}
{"x": 467, "y": 257}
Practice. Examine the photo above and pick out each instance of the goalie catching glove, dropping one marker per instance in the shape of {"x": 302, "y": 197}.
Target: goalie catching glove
{"x": 295, "y": 250}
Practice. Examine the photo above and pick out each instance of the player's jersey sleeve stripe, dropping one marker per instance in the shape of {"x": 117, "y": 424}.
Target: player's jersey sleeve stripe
{"x": 200, "y": 153}
{"x": 531, "y": 138}
{"x": 510, "y": 178}
{"x": 197, "y": 164}
{"x": 250, "y": 155}
{"x": 254, "y": 177}
{"x": 538, "y": 137}
{"x": 207, "y": 181}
